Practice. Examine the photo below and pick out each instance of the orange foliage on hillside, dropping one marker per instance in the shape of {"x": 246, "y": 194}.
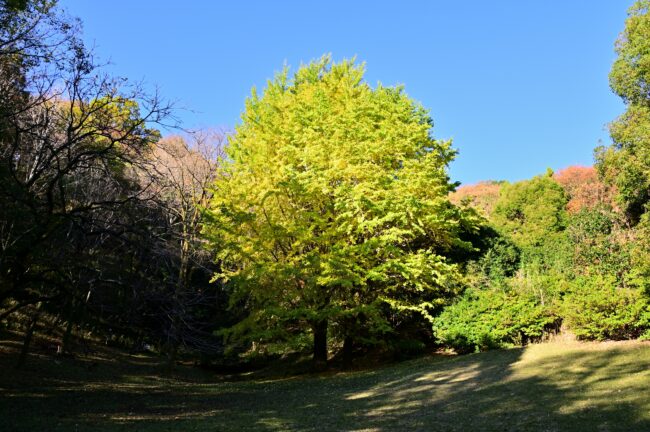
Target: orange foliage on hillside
{"x": 481, "y": 196}
{"x": 584, "y": 188}
{"x": 581, "y": 183}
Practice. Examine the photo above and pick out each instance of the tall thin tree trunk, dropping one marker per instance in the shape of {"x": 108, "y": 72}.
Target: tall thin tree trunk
{"x": 66, "y": 346}
{"x": 320, "y": 345}
{"x": 182, "y": 286}
{"x": 348, "y": 346}
{"x": 67, "y": 336}
{"x": 171, "y": 354}
{"x": 28, "y": 337}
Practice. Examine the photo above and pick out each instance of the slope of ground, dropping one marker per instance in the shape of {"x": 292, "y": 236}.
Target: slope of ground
{"x": 547, "y": 387}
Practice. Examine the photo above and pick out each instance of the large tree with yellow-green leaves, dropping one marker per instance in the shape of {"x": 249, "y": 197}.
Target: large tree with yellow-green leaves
{"x": 332, "y": 208}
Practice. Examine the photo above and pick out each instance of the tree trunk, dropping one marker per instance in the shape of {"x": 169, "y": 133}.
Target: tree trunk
{"x": 67, "y": 336}
{"x": 171, "y": 355}
{"x": 66, "y": 342}
{"x": 172, "y": 344}
{"x": 182, "y": 284}
{"x": 28, "y": 337}
{"x": 348, "y": 346}
{"x": 320, "y": 345}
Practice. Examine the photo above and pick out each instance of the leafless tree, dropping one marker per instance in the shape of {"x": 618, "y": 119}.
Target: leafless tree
{"x": 184, "y": 170}
{"x": 72, "y": 142}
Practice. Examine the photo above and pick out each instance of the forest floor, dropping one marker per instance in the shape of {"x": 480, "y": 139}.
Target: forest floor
{"x": 555, "y": 386}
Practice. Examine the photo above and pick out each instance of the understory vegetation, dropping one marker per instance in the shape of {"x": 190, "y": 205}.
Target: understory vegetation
{"x": 566, "y": 260}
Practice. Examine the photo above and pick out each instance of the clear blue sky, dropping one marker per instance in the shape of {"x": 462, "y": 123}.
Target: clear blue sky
{"x": 519, "y": 85}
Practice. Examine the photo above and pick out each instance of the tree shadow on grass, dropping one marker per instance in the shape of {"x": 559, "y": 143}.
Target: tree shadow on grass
{"x": 491, "y": 392}
{"x": 509, "y": 390}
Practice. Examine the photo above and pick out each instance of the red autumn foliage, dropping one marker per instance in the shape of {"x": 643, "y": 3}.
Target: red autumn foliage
{"x": 481, "y": 196}
{"x": 581, "y": 183}
{"x": 584, "y": 188}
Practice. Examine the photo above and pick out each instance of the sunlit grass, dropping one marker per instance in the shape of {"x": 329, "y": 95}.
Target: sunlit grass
{"x": 547, "y": 387}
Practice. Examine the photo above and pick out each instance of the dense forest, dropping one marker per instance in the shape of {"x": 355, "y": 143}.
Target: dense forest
{"x": 325, "y": 225}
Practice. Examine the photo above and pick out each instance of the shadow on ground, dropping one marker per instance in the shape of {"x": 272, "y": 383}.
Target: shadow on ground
{"x": 532, "y": 389}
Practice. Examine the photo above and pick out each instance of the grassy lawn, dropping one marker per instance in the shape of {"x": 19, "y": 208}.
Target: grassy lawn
{"x": 546, "y": 387}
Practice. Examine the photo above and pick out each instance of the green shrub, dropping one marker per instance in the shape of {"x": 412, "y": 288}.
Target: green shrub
{"x": 493, "y": 318}
{"x": 596, "y": 309}
{"x": 530, "y": 211}
{"x": 601, "y": 243}
{"x": 501, "y": 260}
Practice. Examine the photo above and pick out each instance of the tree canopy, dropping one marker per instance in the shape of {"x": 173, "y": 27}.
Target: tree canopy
{"x": 626, "y": 164}
{"x": 333, "y": 207}
{"x": 532, "y": 210}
